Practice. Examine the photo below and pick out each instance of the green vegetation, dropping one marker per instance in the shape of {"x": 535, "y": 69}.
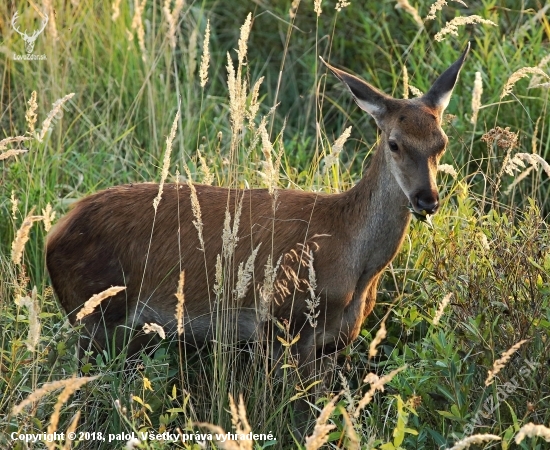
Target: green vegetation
{"x": 489, "y": 246}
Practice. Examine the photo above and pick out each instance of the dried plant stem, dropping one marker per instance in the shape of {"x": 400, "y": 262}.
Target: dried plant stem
{"x": 166, "y": 160}
{"x": 96, "y": 299}
{"x": 75, "y": 384}
{"x": 475, "y": 439}
{"x": 499, "y": 364}
{"x": 181, "y": 301}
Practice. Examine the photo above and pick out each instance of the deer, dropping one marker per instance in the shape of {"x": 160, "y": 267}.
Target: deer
{"x": 347, "y": 238}
{"x": 29, "y": 40}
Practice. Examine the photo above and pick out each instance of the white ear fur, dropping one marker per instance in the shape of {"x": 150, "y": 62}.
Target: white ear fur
{"x": 373, "y": 109}
{"x": 443, "y": 101}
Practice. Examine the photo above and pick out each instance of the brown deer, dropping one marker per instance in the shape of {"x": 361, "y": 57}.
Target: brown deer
{"x": 108, "y": 239}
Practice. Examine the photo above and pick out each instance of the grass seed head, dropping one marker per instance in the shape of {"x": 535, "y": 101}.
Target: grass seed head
{"x": 319, "y": 437}
{"x": 452, "y": 26}
{"x": 406, "y": 6}
{"x": 205, "y": 58}
{"x": 154, "y": 328}
{"x": 91, "y": 304}
{"x": 518, "y": 75}
{"x": 532, "y": 430}
{"x": 476, "y": 97}
{"x": 181, "y": 301}
{"x": 475, "y": 439}
{"x": 499, "y": 364}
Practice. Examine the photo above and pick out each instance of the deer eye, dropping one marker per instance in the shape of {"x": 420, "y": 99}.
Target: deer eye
{"x": 393, "y": 146}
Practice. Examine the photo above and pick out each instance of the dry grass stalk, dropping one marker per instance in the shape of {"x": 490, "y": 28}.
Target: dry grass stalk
{"x": 406, "y": 6}
{"x": 244, "y": 275}
{"x": 192, "y": 50}
{"x": 499, "y": 364}
{"x": 172, "y": 19}
{"x": 195, "y": 208}
{"x": 518, "y": 179}
{"x": 4, "y": 144}
{"x": 380, "y": 336}
{"x": 438, "y": 6}
{"x": 154, "y": 328}
{"x": 116, "y": 10}
{"x": 320, "y": 433}
{"x": 218, "y": 279}
{"x": 48, "y": 217}
{"x": 376, "y": 384}
{"x": 14, "y": 208}
{"x": 532, "y": 430}
{"x": 518, "y": 75}
{"x": 515, "y": 163}
{"x": 476, "y": 97}
{"x": 22, "y": 236}
{"x": 341, "y": 4}
{"x": 181, "y": 300}
{"x": 76, "y": 383}
{"x": 166, "y": 160}
{"x": 415, "y": 91}
{"x": 30, "y": 115}
{"x": 536, "y": 80}
{"x": 267, "y": 290}
{"x": 448, "y": 169}
{"x": 441, "y": 308}
{"x": 243, "y": 39}
{"x": 254, "y": 106}
{"x": 70, "y": 387}
{"x": 268, "y": 172}
{"x": 12, "y": 152}
{"x": 405, "y": 82}
{"x": 475, "y": 439}
{"x": 207, "y": 176}
{"x": 337, "y": 147}
{"x": 71, "y": 429}
{"x": 31, "y": 303}
{"x": 452, "y": 26}
{"x": 314, "y": 300}
{"x": 137, "y": 24}
{"x": 52, "y": 28}
{"x": 56, "y": 110}
{"x": 216, "y": 431}
{"x": 96, "y": 299}
{"x": 353, "y": 442}
{"x": 317, "y": 7}
{"x": 230, "y": 236}
{"x": 293, "y": 9}
{"x": 240, "y": 424}
{"x": 346, "y": 392}
{"x": 205, "y": 58}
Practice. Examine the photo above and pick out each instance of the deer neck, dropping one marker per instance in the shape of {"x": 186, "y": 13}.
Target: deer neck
{"x": 380, "y": 215}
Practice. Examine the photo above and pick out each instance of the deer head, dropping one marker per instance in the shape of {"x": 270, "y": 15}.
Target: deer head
{"x": 412, "y": 138}
{"x": 29, "y": 40}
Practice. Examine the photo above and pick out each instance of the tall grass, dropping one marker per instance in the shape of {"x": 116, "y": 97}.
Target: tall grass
{"x": 267, "y": 115}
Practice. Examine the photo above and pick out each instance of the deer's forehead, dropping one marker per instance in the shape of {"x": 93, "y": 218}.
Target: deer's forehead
{"x": 419, "y": 126}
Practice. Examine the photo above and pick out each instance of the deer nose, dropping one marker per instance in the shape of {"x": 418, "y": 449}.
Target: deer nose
{"x": 427, "y": 202}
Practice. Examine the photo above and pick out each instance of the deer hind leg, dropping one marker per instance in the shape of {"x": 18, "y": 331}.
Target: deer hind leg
{"x": 316, "y": 370}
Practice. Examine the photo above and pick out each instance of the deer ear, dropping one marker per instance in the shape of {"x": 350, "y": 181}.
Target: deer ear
{"x": 368, "y": 98}
{"x": 439, "y": 95}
